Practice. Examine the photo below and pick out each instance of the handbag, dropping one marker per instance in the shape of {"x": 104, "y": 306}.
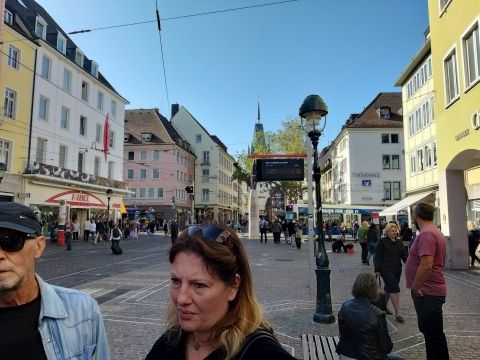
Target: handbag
{"x": 251, "y": 339}
{"x": 381, "y": 302}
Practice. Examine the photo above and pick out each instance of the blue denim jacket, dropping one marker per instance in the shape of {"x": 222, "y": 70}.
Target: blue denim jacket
{"x": 70, "y": 324}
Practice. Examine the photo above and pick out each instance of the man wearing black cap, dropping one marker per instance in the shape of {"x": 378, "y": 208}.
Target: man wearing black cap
{"x": 39, "y": 320}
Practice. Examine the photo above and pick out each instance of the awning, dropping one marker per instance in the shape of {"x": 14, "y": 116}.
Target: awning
{"x": 404, "y": 203}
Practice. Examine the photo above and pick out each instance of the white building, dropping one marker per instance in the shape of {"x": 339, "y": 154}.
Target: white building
{"x": 215, "y": 194}
{"x": 66, "y": 161}
{"x": 363, "y": 169}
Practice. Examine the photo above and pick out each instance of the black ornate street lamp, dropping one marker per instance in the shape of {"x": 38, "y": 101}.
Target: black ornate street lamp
{"x": 109, "y": 193}
{"x": 312, "y": 111}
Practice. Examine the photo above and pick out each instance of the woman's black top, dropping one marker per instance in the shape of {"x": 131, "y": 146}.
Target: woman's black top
{"x": 372, "y": 236}
{"x": 261, "y": 349}
{"x": 390, "y": 255}
{"x": 363, "y": 331}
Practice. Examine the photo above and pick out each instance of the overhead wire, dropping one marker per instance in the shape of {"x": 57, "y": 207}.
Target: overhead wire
{"x": 161, "y": 51}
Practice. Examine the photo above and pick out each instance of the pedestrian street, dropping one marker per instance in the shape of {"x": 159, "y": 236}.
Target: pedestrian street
{"x": 133, "y": 292}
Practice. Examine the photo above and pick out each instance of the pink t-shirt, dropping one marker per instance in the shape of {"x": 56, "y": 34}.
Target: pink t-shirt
{"x": 430, "y": 242}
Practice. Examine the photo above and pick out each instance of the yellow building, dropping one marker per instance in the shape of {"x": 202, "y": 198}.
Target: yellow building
{"x": 17, "y": 58}
{"x": 454, "y": 29}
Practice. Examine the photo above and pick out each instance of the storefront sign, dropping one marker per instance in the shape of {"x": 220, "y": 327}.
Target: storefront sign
{"x": 366, "y": 174}
{"x": 78, "y": 198}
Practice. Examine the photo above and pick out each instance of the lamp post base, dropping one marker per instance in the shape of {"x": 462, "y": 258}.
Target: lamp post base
{"x": 323, "y": 312}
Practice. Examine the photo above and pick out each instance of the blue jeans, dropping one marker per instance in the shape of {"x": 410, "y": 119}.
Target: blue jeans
{"x": 372, "y": 250}
{"x": 430, "y": 323}
{"x": 393, "y": 356}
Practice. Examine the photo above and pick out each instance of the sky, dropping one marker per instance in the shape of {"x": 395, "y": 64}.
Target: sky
{"x": 219, "y": 66}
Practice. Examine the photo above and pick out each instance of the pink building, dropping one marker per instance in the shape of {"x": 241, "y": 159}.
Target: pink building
{"x": 158, "y": 165}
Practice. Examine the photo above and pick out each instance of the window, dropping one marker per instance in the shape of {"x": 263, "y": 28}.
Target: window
{"x": 198, "y": 138}
{"x": 451, "y": 77}
{"x": 160, "y": 192}
{"x": 45, "y": 71}
{"x": 143, "y": 173}
{"x": 151, "y": 192}
{"x": 142, "y": 193}
{"x": 156, "y": 173}
{"x": 40, "y": 26}
{"x": 113, "y": 107}
{"x": 8, "y": 17}
{"x": 146, "y": 137}
{"x": 420, "y": 159}
{"x": 43, "y": 108}
{"x": 156, "y": 154}
{"x": 385, "y": 138}
{"x": 133, "y": 195}
{"x": 206, "y": 158}
{"x": 130, "y": 174}
{"x": 94, "y": 69}
{"x": 205, "y": 195}
{"x": 394, "y": 138}
{"x": 386, "y": 161}
{"x": 10, "y": 103}
{"x": 98, "y": 132}
{"x": 110, "y": 169}
{"x": 84, "y": 91}
{"x": 67, "y": 80}
{"x": 83, "y": 126}
{"x": 206, "y": 176}
{"x": 143, "y": 155}
{"x": 80, "y": 162}
{"x": 41, "y": 150}
{"x": 61, "y": 43}
{"x": 443, "y": 5}
{"x": 100, "y": 100}
{"x": 65, "y": 118}
{"x": 78, "y": 57}
{"x": 131, "y": 155}
{"x": 13, "y": 57}
{"x": 420, "y": 117}
{"x": 413, "y": 163}
{"x": 111, "y": 138}
{"x": 471, "y": 55}
{"x": 387, "y": 190}
{"x": 395, "y": 161}
{"x": 428, "y": 156}
{"x": 396, "y": 190}
{"x": 4, "y": 154}
{"x": 96, "y": 166}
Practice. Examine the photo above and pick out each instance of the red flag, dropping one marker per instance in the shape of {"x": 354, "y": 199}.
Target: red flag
{"x": 106, "y": 131}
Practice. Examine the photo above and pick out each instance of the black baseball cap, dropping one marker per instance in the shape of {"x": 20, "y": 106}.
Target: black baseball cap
{"x": 19, "y": 217}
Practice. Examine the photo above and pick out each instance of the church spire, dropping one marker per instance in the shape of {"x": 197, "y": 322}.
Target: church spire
{"x": 258, "y": 112}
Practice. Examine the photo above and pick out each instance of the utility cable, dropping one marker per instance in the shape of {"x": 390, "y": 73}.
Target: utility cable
{"x": 161, "y": 51}
{"x": 183, "y": 16}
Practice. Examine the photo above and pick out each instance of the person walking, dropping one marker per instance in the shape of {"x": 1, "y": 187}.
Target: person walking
{"x": 173, "y": 231}
{"x": 372, "y": 239}
{"x": 38, "y": 320}
{"x": 86, "y": 230}
{"x": 291, "y": 232}
{"x": 68, "y": 234}
{"x": 388, "y": 264}
{"x": 285, "y": 231}
{"x": 298, "y": 235}
{"x": 93, "y": 231}
{"x": 76, "y": 229}
{"x": 134, "y": 230}
{"x": 262, "y": 225}
{"x": 425, "y": 277}
{"x": 276, "y": 231}
{"x": 355, "y": 227}
{"x": 362, "y": 239}
{"x": 473, "y": 240}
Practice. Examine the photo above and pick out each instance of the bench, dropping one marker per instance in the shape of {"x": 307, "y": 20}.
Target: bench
{"x": 317, "y": 347}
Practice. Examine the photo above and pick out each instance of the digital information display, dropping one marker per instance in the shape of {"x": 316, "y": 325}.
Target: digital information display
{"x": 280, "y": 169}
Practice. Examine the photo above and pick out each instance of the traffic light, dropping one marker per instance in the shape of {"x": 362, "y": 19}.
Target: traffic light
{"x": 189, "y": 189}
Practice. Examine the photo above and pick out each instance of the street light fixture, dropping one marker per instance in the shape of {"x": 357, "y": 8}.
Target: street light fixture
{"x": 109, "y": 193}
{"x": 312, "y": 111}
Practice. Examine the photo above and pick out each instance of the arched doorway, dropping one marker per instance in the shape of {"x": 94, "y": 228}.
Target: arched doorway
{"x": 459, "y": 186}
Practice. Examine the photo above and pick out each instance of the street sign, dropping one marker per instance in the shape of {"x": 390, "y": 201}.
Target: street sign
{"x": 24, "y": 195}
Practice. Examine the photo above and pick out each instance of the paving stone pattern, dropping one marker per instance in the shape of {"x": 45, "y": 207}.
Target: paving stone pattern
{"x": 133, "y": 292}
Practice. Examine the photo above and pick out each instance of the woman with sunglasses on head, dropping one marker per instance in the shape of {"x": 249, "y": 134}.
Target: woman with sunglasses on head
{"x": 214, "y": 313}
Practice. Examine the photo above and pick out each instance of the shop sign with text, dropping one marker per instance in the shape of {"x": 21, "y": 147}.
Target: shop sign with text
{"x": 78, "y": 198}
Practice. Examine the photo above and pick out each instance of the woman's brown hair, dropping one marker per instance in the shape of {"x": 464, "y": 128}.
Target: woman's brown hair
{"x": 224, "y": 257}
{"x": 365, "y": 286}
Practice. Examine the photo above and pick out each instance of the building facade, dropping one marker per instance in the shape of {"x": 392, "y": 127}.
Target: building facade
{"x": 363, "y": 169}
{"x": 158, "y": 166}
{"x": 75, "y": 142}
{"x": 455, "y": 39}
{"x": 215, "y": 195}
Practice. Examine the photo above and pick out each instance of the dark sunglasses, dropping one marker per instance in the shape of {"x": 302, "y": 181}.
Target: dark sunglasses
{"x": 14, "y": 242}
{"x": 211, "y": 232}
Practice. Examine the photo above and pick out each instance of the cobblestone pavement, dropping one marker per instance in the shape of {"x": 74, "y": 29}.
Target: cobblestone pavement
{"x": 132, "y": 290}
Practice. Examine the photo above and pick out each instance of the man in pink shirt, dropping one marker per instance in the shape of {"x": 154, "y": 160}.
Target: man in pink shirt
{"x": 424, "y": 272}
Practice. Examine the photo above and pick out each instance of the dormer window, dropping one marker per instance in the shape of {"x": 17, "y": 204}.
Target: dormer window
{"x": 126, "y": 137}
{"x": 79, "y": 57}
{"x": 8, "y": 17}
{"x": 61, "y": 43}
{"x": 40, "y": 28}
{"x": 146, "y": 137}
{"x": 385, "y": 112}
{"x": 94, "y": 69}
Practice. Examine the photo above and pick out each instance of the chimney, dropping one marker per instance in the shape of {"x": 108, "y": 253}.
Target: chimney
{"x": 175, "y": 108}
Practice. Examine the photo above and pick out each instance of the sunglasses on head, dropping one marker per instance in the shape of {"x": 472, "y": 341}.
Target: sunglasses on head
{"x": 211, "y": 232}
{"x": 15, "y": 241}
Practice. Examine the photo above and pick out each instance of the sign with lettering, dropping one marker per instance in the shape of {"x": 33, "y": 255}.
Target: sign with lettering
{"x": 366, "y": 174}
{"x": 77, "y": 198}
